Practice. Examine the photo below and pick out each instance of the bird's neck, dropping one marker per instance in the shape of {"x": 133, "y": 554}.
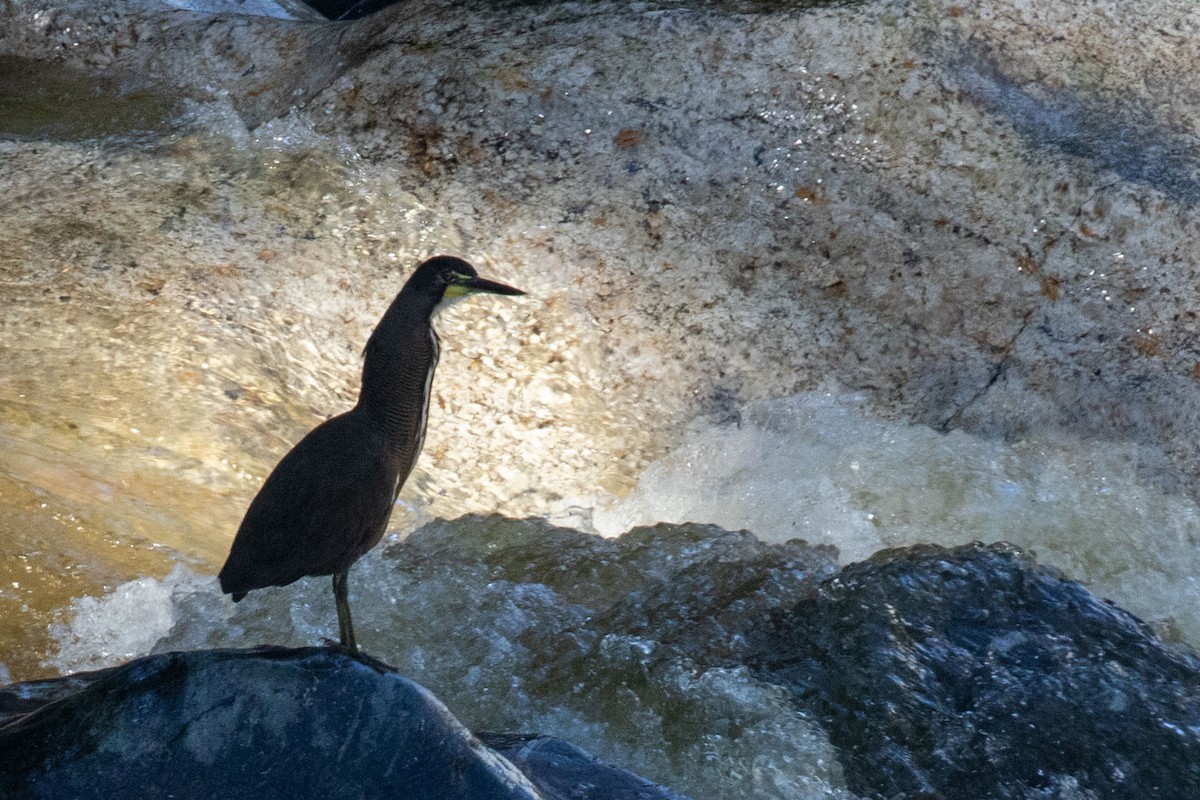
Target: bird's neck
{"x": 398, "y": 367}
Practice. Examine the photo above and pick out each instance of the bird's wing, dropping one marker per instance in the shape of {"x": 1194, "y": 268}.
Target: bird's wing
{"x": 326, "y": 502}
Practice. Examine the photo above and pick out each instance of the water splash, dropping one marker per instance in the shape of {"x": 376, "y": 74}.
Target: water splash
{"x": 104, "y": 631}
{"x": 819, "y": 467}
{"x": 489, "y": 613}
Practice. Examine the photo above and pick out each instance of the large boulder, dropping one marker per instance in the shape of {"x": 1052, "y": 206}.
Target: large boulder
{"x": 313, "y": 722}
{"x": 973, "y": 672}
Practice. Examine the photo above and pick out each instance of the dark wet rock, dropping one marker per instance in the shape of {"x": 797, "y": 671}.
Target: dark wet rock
{"x": 692, "y": 587}
{"x": 704, "y": 607}
{"x": 560, "y": 769}
{"x": 629, "y": 646}
{"x": 692, "y": 654}
{"x": 312, "y": 722}
{"x": 973, "y": 672}
{"x": 644, "y": 634}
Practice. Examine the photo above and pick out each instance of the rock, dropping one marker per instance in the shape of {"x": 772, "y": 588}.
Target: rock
{"x": 562, "y": 770}
{"x": 313, "y": 722}
{"x": 689, "y": 585}
{"x": 965, "y": 216}
{"x": 630, "y": 647}
{"x": 973, "y": 672}
{"x": 191, "y": 54}
{"x": 708, "y": 660}
{"x": 280, "y": 9}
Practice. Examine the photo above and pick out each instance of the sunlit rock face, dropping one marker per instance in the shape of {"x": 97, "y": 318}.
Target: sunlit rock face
{"x": 981, "y": 219}
{"x": 984, "y": 230}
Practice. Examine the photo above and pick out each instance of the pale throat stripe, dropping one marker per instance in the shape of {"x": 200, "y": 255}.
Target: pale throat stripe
{"x": 433, "y": 362}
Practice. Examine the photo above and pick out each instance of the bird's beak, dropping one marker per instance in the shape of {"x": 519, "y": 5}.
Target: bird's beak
{"x": 461, "y": 286}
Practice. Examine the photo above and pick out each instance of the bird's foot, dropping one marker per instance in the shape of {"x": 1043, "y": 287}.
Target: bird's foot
{"x": 339, "y": 645}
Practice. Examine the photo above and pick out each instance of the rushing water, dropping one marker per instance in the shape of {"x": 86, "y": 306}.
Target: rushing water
{"x": 814, "y": 467}
{"x": 141, "y": 406}
{"x": 818, "y": 467}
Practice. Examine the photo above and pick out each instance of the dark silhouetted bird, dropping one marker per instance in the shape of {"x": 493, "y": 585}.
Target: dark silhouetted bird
{"x": 328, "y": 501}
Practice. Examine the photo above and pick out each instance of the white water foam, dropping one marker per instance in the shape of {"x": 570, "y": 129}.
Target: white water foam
{"x": 99, "y": 632}
{"x": 820, "y": 468}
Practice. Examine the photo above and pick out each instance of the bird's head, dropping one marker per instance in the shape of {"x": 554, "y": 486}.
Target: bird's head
{"x": 445, "y": 279}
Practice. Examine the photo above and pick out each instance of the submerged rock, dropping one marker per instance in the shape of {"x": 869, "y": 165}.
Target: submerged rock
{"x": 313, "y": 722}
{"x": 692, "y": 587}
{"x": 973, "y": 672}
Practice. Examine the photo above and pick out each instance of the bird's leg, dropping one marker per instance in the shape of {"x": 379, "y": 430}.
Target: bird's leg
{"x": 341, "y": 598}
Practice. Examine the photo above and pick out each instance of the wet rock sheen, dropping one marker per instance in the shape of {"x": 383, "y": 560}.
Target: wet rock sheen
{"x": 310, "y": 722}
{"x": 973, "y": 672}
